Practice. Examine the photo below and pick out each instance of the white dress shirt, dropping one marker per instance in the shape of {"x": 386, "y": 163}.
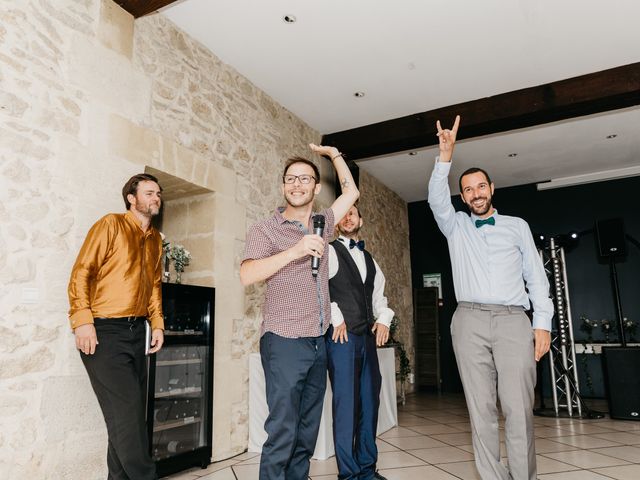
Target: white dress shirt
{"x": 381, "y": 312}
{"x": 490, "y": 263}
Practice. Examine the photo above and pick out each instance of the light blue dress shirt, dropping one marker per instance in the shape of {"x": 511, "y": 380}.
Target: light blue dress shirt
{"x": 490, "y": 263}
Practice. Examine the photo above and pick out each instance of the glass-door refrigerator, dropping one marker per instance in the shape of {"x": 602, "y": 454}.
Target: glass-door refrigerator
{"x": 179, "y": 413}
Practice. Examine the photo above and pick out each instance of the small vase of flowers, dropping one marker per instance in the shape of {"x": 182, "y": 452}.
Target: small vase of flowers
{"x": 181, "y": 258}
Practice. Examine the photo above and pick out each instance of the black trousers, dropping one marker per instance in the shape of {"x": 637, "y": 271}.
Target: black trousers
{"x": 118, "y": 374}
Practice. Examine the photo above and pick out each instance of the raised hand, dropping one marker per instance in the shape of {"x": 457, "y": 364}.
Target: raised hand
{"x": 447, "y": 139}
{"x": 330, "y": 152}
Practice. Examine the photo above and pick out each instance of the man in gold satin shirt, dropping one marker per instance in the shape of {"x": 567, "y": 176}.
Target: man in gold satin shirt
{"x": 115, "y": 287}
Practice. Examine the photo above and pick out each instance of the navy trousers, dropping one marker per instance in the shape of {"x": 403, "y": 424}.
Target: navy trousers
{"x": 355, "y": 380}
{"x": 295, "y": 373}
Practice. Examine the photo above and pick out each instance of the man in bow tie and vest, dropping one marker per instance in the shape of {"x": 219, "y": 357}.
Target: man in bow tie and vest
{"x": 360, "y": 321}
{"x": 493, "y": 258}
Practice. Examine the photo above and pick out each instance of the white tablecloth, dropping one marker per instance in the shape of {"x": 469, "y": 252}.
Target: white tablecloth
{"x": 258, "y": 410}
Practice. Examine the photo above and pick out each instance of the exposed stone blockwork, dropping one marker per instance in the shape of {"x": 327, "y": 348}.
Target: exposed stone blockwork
{"x": 83, "y": 106}
{"x": 386, "y": 230}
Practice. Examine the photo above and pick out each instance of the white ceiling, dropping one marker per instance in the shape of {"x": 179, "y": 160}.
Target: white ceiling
{"x": 410, "y": 56}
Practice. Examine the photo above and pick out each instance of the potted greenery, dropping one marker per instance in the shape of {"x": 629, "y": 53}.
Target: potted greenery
{"x": 404, "y": 365}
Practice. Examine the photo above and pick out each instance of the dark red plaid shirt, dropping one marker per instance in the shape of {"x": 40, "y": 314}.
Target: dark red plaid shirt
{"x": 294, "y": 305}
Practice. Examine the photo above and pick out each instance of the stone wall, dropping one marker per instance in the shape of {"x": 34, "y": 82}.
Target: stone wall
{"x": 386, "y": 231}
{"x": 189, "y": 222}
{"x": 88, "y": 97}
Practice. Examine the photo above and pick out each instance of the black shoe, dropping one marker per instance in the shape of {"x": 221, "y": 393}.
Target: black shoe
{"x": 377, "y": 476}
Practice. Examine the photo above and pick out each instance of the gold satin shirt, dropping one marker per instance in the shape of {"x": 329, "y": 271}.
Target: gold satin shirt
{"x": 118, "y": 273}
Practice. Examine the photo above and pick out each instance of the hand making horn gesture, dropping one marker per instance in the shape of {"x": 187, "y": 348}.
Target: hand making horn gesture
{"x": 447, "y": 139}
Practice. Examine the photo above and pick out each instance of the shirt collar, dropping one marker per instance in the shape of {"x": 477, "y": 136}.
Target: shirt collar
{"x": 474, "y": 217}
{"x": 344, "y": 239}
{"x": 280, "y": 218}
{"x": 131, "y": 218}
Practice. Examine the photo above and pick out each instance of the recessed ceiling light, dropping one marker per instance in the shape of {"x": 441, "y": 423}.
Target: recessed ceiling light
{"x": 511, "y": 155}
{"x": 413, "y": 153}
{"x": 359, "y": 94}
{"x": 613, "y": 135}
{"x": 289, "y": 19}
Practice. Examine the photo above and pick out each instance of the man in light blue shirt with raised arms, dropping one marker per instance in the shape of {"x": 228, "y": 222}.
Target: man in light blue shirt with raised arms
{"x": 493, "y": 258}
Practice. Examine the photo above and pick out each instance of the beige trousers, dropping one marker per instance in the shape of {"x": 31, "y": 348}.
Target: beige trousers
{"x": 494, "y": 348}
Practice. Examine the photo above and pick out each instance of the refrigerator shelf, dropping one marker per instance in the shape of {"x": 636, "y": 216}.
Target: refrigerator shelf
{"x": 158, "y": 427}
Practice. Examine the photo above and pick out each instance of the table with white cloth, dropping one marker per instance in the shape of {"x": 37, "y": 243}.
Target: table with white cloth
{"x": 258, "y": 410}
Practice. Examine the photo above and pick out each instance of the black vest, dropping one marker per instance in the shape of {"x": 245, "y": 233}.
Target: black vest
{"x": 354, "y": 298}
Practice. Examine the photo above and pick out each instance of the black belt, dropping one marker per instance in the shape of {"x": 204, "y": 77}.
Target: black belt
{"x": 131, "y": 319}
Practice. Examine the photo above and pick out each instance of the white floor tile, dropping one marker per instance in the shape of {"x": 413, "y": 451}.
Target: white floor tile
{"x": 628, "y": 472}
{"x": 443, "y": 455}
{"x": 247, "y": 472}
{"x": 433, "y": 441}
{"x": 415, "y": 473}
{"x": 585, "y": 459}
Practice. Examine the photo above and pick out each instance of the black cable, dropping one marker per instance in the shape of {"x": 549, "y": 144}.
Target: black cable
{"x": 632, "y": 240}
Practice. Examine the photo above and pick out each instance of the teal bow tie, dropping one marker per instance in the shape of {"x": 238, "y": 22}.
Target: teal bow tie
{"x": 486, "y": 221}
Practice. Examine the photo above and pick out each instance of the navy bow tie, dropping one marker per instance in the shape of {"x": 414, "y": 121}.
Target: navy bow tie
{"x": 487, "y": 221}
{"x": 359, "y": 244}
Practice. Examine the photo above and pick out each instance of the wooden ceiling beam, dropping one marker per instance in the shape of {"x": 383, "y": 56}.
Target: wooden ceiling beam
{"x": 140, "y": 8}
{"x": 575, "y": 97}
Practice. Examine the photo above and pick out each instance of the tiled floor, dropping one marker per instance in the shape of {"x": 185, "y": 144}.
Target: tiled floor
{"x": 433, "y": 442}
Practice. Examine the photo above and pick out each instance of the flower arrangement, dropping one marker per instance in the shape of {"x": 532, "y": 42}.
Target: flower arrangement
{"x": 181, "y": 258}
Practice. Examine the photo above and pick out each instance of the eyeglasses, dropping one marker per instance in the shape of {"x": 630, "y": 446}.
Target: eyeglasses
{"x": 304, "y": 179}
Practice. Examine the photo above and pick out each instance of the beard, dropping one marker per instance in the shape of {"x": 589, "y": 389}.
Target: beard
{"x": 347, "y": 232}
{"x": 149, "y": 210}
{"x": 481, "y": 209}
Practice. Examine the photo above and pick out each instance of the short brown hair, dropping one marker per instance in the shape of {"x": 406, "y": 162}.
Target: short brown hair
{"x": 294, "y": 160}
{"x": 471, "y": 170}
{"x": 131, "y": 187}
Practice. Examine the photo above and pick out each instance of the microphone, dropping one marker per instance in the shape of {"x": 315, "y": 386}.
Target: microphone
{"x": 318, "y": 229}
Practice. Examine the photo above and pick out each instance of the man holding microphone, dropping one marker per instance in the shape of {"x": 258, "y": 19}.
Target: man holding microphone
{"x": 296, "y": 311}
